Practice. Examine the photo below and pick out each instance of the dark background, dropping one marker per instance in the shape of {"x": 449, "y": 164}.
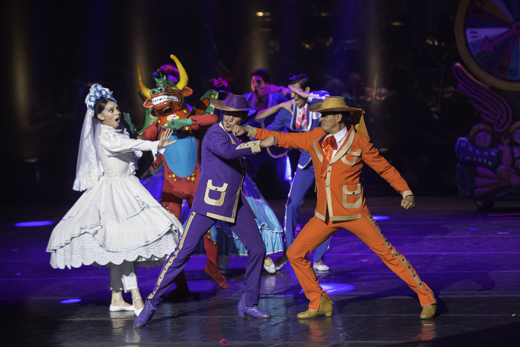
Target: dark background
{"x": 51, "y": 51}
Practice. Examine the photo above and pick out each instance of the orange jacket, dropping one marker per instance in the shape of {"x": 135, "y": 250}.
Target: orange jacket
{"x": 339, "y": 193}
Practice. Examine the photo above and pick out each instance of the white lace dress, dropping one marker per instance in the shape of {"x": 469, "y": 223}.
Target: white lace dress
{"x": 117, "y": 219}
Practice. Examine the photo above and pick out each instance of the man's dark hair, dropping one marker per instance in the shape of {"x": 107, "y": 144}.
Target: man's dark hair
{"x": 345, "y": 118}
{"x": 100, "y": 105}
{"x": 263, "y": 74}
{"x": 302, "y": 79}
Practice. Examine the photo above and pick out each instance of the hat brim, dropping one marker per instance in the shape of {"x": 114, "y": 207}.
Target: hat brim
{"x": 219, "y": 105}
{"x": 317, "y": 108}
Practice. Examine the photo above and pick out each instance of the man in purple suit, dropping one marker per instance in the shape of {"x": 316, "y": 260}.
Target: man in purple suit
{"x": 219, "y": 197}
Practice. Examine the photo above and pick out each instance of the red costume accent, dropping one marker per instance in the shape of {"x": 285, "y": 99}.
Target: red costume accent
{"x": 168, "y": 104}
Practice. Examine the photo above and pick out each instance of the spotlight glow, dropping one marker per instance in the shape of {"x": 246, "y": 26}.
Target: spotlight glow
{"x": 33, "y": 224}
{"x": 288, "y": 169}
{"x": 380, "y": 217}
{"x": 335, "y": 288}
{"x": 70, "y": 301}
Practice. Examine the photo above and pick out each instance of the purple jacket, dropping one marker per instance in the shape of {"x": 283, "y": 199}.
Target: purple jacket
{"x": 222, "y": 174}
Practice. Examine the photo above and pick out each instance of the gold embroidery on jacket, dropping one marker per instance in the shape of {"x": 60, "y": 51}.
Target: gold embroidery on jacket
{"x": 356, "y": 154}
{"x": 357, "y": 192}
{"x": 222, "y": 190}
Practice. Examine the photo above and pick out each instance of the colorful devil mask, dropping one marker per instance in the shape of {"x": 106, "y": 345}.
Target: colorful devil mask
{"x": 167, "y": 98}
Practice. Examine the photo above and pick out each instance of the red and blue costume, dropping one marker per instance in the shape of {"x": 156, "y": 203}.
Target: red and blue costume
{"x": 182, "y": 159}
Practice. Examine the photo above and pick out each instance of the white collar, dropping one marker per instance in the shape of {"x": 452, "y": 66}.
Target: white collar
{"x": 108, "y": 128}
{"x": 340, "y": 135}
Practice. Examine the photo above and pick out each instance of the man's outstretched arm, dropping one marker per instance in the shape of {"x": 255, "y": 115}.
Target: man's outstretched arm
{"x": 287, "y": 140}
{"x": 371, "y": 156}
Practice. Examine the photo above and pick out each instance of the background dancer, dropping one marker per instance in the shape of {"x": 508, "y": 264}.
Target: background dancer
{"x": 181, "y": 161}
{"x": 294, "y": 116}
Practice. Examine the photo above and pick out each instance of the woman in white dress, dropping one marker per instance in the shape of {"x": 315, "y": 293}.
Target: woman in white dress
{"x": 116, "y": 222}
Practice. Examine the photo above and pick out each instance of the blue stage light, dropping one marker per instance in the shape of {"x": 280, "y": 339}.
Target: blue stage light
{"x": 288, "y": 169}
{"x": 38, "y": 223}
{"x": 335, "y": 288}
{"x": 70, "y": 301}
{"x": 380, "y": 217}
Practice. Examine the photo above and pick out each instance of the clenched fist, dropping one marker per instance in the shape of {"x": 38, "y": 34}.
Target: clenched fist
{"x": 239, "y": 130}
{"x": 268, "y": 142}
{"x": 408, "y": 203}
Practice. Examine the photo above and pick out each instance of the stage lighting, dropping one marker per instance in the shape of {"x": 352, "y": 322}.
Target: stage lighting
{"x": 335, "y": 288}
{"x": 380, "y": 217}
{"x": 288, "y": 169}
{"x": 34, "y": 223}
{"x": 70, "y": 301}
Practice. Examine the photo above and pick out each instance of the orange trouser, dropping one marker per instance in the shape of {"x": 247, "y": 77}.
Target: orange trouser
{"x": 366, "y": 228}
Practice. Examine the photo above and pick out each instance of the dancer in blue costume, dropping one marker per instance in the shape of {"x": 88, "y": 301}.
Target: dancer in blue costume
{"x": 293, "y": 116}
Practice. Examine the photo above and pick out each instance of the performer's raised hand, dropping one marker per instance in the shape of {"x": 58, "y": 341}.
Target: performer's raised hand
{"x": 408, "y": 202}
{"x": 298, "y": 91}
{"x": 268, "y": 142}
{"x": 287, "y": 104}
{"x": 164, "y": 141}
{"x": 238, "y": 130}
{"x": 268, "y": 88}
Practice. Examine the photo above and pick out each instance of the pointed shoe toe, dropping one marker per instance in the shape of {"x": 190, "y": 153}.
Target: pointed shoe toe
{"x": 144, "y": 316}
{"x": 250, "y": 311}
{"x": 428, "y": 312}
{"x": 254, "y": 312}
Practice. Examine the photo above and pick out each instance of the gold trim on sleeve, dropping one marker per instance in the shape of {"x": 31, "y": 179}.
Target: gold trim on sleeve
{"x": 407, "y": 193}
{"x": 251, "y": 131}
{"x": 254, "y": 145}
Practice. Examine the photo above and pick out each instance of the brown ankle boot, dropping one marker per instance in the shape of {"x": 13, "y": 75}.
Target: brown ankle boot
{"x": 428, "y": 312}
{"x": 325, "y": 309}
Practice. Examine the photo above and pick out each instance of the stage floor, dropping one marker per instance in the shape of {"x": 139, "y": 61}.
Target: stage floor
{"x": 470, "y": 259}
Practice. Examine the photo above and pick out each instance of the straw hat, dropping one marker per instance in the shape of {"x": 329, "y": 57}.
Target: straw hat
{"x": 332, "y": 104}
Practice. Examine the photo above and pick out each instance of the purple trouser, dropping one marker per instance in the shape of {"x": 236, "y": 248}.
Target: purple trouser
{"x": 247, "y": 231}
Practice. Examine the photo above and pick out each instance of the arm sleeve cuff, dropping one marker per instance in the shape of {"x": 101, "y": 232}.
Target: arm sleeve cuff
{"x": 251, "y": 131}
{"x": 254, "y": 145}
{"x": 407, "y": 193}
{"x": 155, "y": 149}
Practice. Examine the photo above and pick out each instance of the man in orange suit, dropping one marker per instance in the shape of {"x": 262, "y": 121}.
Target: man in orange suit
{"x": 339, "y": 150}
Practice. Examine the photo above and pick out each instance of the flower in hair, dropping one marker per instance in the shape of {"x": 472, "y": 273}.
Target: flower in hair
{"x": 97, "y": 91}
